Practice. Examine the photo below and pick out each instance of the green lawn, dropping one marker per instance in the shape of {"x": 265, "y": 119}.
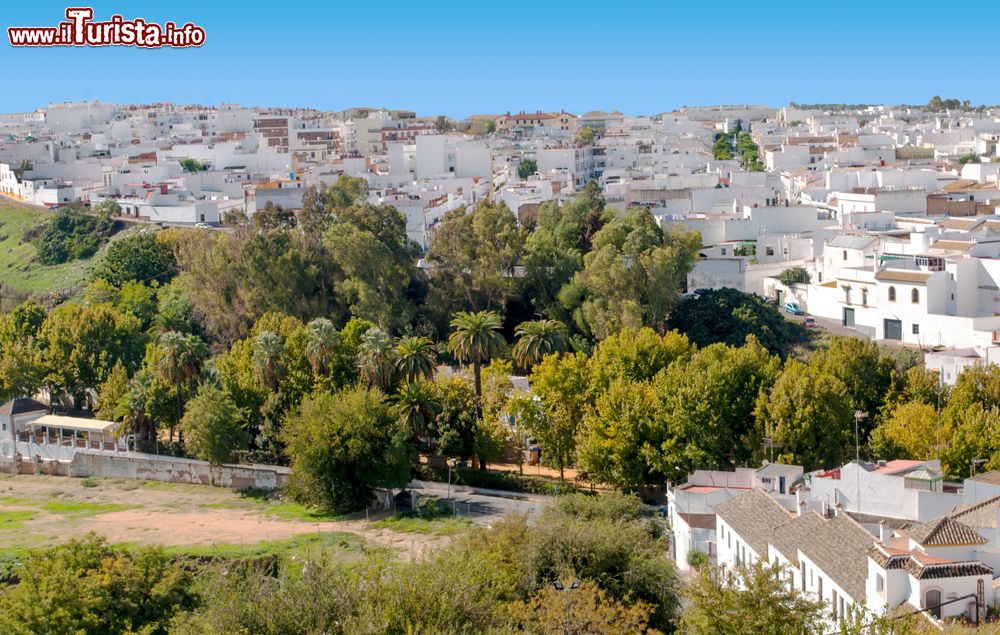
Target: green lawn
{"x": 446, "y": 526}
{"x": 18, "y": 269}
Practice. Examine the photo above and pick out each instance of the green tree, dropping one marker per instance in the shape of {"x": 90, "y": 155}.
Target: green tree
{"x": 620, "y": 437}
{"x": 752, "y": 599}
{"x": 728, "y": 316}
{"x": 80, "y": 345}
{"x": 536, "y": 339}
{"x": 88, "y": 587}
{"x": 267, "y": 350}
{"x": 585, "y": 136}
{"x": 344, "y": 445}
{"x": 633, "y": 275}
{"x": 375, "y": 359}
{"x": 865, "y": 370}
{"x": 21, "y": 370}
{"x": 146, "y": 258}
{"x": 213, "y": 426}
{"x": 171, "y": 366}
{"x": 562, "y": 383}
{"x": 912, "y": 430}
{"x": 137, "y": 406}
{"x": 415, "y": 358}
{"x": 455, "y": 425}
{"x": 526, "y": 168}
{"x": 192, "y": 165}
{"x": 707, "y": 405}
{"x": 417, "y": 405}
{"x": 108, "y": 209}
{"x": 636, "y": 355}
{"x": 21, "y": 324}
{"x": 322, "y": 341}
{"x": 472, "y": 258}
{"x": 110, "y": 394}
{"x": 793, "y": 276}
{"x": 808, "y": 413}
{"x": 476, "y": 339}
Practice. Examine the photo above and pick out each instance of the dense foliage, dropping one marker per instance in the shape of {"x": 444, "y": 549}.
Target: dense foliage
{"x": 71, "y": 235}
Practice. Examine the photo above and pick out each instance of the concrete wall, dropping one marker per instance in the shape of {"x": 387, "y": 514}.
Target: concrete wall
{"x": 172, "y": 470}
{"x": 149, "y": 467}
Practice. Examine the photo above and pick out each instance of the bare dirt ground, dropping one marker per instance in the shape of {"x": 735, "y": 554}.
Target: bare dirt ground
{"x": 43, "y": 510}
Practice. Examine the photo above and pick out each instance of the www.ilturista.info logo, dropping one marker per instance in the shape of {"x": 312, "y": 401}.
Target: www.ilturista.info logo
{"x": 79, "y": 29}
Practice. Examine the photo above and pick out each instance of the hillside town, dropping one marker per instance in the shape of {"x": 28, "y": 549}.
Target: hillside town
{"x": 856, "y": 245}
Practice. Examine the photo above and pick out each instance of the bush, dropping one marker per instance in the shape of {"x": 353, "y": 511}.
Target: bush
{"x": 793, "y": 276}
{"x": 70, "y": 236}
{"x": 697, "y": 559}
{"x": 430, "y": 507}
{"x": 88, "y": 587}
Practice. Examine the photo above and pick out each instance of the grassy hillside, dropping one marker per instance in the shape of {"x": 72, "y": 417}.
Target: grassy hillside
{"x": 20, "y": 273}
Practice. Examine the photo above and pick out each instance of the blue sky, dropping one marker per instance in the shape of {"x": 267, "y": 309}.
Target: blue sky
{"x": 459, "y": 58}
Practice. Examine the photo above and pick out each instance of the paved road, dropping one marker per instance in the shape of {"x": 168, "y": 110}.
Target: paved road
{"x": 485, "y": 505}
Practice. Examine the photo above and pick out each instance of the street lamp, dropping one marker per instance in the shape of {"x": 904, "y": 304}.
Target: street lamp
{"x": 559, "y": 586}
{"x": 858, "y": 416}
{"x": 451, "y": 464}
{"x": 974, "y": 463}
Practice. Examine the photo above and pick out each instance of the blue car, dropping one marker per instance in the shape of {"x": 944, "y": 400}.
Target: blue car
{"x": 793, "y": 308}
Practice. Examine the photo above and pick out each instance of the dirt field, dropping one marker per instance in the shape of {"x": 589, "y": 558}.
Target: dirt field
{"x": 41, "y": 510}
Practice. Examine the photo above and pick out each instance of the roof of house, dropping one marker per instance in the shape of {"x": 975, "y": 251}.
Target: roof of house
{"x": 753, "y": 515}
{"x": 953, "y": 245}
{"x": 954, "y": 222}
{"x": 898, "y": 275}
{"x": 74, "y": 423}
{"x": 851, "y": 241}
{"x": 945, "y": 532}
{"x": 21, "y": 405}
{"x": 840, "y": 548}
{"x": 785, "y": 538}
{"x": 699, "y": 521}
{"x": 992, "y": 477}
{"x": 777, "y": 469}
{"x": 982, "y": 514}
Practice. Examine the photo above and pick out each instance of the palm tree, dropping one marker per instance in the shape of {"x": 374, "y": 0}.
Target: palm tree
{"x": 415, "y": 357}
{"x": 536, "y": 339}
{"x": 195, "y": 352}
{"x": 132, "y": 408}
{"x": 321, "y": 343}
{"x": 375, "y": 361}
{"x": 267, "y": 350}
{"x": 417, "y": 405}
{"x": 476, "y": 338}
{"x": 173, "y": 356}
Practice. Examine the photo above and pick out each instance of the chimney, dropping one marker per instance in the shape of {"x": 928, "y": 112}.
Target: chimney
{"x": 800, "y": 505}
{"x": 884, "y": 533}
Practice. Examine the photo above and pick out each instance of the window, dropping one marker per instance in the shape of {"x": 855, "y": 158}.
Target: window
{"x": 892, "y": 294}
{"x": 723, "y": 251}
{"x": 864, "y": 297}
{"x": 819, "y": 587}
{"x": 802, "y": 566}
{"x": 845, "y": 254}
{"x": 879, "y": 583}
{"x": 915, "y": 296}
{"x": 916, "y": 329}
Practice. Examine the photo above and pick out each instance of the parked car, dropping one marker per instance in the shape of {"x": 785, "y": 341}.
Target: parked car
{"x": 794, "y": 308}
{"x": 202, "y": 225}
{"x": 810, "y": 322}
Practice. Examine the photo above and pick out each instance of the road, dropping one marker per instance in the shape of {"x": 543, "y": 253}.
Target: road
{"x": 484, "y": 505}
